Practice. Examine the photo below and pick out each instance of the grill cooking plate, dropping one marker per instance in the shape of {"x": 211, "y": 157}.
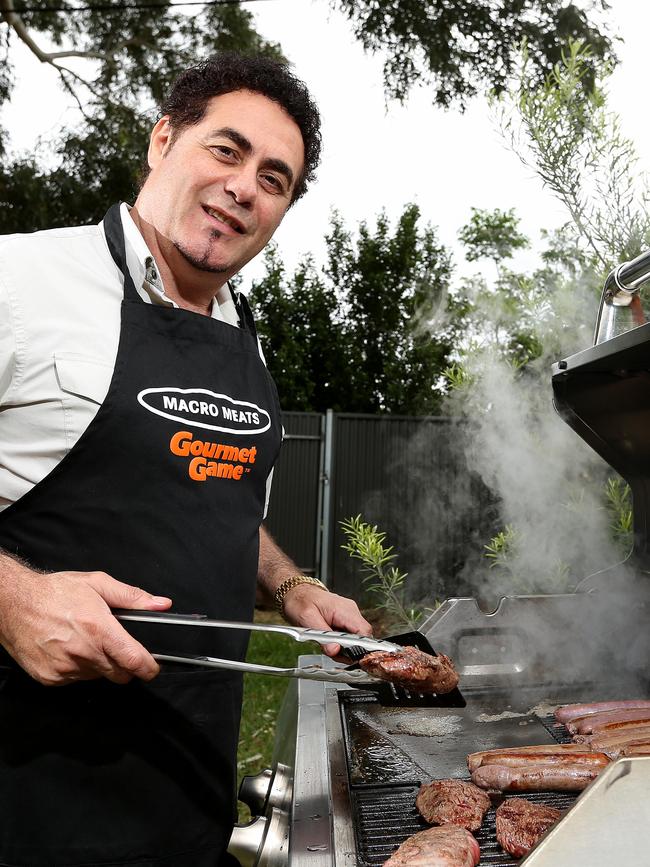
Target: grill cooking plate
{"x": 391, "y": 752}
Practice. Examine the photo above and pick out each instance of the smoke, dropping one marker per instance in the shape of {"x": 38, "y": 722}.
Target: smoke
{"x": 548, "y": 482}
{"x": 552, "y": 527}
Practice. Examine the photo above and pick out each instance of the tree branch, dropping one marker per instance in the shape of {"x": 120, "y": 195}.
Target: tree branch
{"x": 9, "y": 14}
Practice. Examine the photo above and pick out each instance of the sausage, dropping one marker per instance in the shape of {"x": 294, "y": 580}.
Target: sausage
{"x": 535, "y": 778}
{"x": 571, "y": 711}
{"x": 610, "y": 744}
{"x": 597, "y": 739}
{"x": 585, "y": 725}
{"x": 474, "y": 760}
{"x": 523, "y": 760}
{"x": 636, "y": 750}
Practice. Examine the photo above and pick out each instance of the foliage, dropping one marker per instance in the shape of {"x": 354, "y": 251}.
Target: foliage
{"x": 461, "y": 47}
{"x": 492, "y": 235}
{"x": 116, "y": 60}
{"x": 500, "y": 546}
{"x": 619, "y": 504}
{"x": 352, "y": 336}
{"x": 504, "y": 553}
{"x": 132, "y": 56}
{"x": 382, "y": 578}
{"x": 564, "y": 130}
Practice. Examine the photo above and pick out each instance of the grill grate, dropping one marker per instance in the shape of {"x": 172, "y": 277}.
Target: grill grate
{"x": 385, "y": 816}
{"x": 555, "y": 729}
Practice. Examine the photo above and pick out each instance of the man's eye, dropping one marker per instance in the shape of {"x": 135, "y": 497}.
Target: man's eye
{"x": 273, "y": 182}
{"x": 224, "y": 150}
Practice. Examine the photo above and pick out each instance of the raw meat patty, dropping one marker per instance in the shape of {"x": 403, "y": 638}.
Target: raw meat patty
{"x": 446, "y": 846}
{"x": 453, "y": 802}
{"x": 521, "y": 824}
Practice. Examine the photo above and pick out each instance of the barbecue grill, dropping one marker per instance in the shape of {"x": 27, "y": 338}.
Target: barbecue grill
{"x": 350, "y": 767}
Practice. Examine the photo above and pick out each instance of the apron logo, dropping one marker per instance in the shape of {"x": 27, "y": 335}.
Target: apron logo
{"x": 199, "y": 407}
{"x": 212, "y": 460}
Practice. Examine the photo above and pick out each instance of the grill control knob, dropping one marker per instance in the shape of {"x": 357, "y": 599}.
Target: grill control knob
{"x": 263, "y": 842}
{"x": 254, "y": 790}
{"x": 246, "y": 841}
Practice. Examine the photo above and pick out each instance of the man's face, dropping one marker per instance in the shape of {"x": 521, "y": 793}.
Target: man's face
{"x": 219, "y": 189}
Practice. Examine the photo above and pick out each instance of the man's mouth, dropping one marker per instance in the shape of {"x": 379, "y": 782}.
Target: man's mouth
{"x": 222, "y": 217}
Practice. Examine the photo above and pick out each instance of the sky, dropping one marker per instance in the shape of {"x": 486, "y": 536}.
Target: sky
{"x": 377, "y": 155}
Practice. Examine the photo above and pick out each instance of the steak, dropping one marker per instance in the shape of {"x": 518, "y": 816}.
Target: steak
{"x": 453, "y": 802}
{"x": 521, "y": 824}
{"x": 412, "y": 669}
{"x": 447, "y": 846}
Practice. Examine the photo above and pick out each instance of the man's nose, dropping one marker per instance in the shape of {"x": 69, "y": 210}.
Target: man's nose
{"x": 242, "y": 186}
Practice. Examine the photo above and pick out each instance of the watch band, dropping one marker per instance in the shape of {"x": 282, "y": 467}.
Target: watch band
{"x": 289, "y": 584}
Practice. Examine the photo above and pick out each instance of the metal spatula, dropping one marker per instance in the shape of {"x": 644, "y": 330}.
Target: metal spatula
{"x": 389, "y": 694}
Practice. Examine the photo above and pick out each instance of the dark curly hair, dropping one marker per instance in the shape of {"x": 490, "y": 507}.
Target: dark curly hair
{"x": 228, "y": 71}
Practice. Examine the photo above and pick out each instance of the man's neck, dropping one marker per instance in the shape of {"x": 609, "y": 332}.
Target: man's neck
{"x": 188, "y": 288}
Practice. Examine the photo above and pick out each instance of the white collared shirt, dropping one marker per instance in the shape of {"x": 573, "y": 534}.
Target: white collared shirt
{"x": 60, "y": 300}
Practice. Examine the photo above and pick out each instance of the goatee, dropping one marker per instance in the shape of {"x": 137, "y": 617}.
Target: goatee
{"x": 202, "y": 263}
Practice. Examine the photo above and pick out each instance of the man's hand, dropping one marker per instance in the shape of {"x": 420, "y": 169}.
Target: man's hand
{"x": 59, "y": 626}
{"x": 306, "y": 605}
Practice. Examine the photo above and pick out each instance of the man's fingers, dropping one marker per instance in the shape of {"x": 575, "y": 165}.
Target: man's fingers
{"x": 117, "y": 594}
{"x": 128, "y": 655}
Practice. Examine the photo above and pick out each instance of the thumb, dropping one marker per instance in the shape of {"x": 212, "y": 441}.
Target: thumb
{"x": 117, "y": 594}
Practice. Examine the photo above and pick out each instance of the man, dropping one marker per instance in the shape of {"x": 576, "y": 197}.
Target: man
{"x": 138, "y": 430}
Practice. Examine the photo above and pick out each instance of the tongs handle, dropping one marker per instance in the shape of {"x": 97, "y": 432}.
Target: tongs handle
{"x": 298, "y": 633}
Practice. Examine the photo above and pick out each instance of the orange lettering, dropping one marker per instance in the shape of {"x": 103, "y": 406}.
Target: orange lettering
{"x": 197, "y": 469}
{"x": 180, "y": 443}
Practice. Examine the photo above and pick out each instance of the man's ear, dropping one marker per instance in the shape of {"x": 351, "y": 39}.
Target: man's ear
{"x": 159, "y": 142}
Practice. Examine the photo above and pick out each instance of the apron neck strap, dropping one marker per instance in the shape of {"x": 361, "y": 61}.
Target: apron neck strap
{"x": 244, "y": 312}
{"x": 114, "y": 232}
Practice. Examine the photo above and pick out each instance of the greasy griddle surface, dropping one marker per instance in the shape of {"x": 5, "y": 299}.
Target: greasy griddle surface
{"x": 391, "y": 751}
{"x": 405, "y": 744}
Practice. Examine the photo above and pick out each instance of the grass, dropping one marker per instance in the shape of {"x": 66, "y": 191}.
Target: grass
{"x": 263, "y": 695}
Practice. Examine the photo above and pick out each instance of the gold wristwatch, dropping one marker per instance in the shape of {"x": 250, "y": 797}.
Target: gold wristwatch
{"x": 289, "y": 584}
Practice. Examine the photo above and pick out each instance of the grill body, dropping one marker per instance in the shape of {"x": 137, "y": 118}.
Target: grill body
{"x": 357, "y": 765}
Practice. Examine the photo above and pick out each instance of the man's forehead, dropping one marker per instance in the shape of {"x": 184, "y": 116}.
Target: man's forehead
{"x": 256, "y": 123}
{"x": 247, "y": 107}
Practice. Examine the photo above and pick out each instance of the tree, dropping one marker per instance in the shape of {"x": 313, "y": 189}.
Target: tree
{"x": 135, "y": 55}
{"x": 567, "y": 134}
{"x": 492, "y": 235}
{"x": 297, "y": 319}
{"x": 355, "y": 336}
{"x": 461, "y": 47}
{"x": 457, "y": 47}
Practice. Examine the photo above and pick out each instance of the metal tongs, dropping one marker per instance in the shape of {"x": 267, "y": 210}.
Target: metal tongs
{"x": 352, "y": 675}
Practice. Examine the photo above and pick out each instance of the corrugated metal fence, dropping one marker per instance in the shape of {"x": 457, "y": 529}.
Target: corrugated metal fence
{"x": 408, "y": 475}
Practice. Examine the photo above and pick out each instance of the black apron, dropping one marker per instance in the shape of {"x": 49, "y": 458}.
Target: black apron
{"x": 164, "y": 490}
